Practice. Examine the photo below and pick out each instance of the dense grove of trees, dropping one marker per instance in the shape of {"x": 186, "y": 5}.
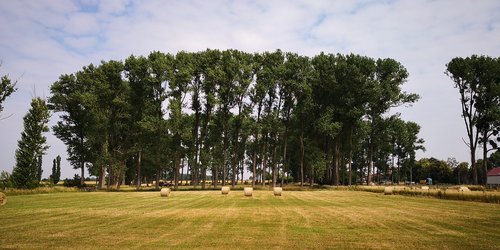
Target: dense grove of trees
{"x": 477, "y": 79}
{"x": 281, "y": 116}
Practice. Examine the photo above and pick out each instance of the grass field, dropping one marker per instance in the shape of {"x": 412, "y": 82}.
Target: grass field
{"x": 207, "y": 219}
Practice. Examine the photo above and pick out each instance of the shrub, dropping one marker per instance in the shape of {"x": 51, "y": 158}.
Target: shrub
{"x": 5, "y": 180}
{"x": 75, "y": 182}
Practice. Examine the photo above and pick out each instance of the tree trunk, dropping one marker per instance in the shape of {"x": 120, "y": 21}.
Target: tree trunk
{"x": 242, "y": 163}
{"x": 234, "y": 167}
{"x": 284, "y": 156}
{"x": 215, "y": 175}
{"x": 139, "y": 158}
{"x": 157, "y": 183}
{"x": 82, "y": 165}
{"x": 337, "y": 159}
{"x": 195, "y": 168}
{"x": 176, "y": 169}
{"x": 275, "y": 167}
{"x": 203, "y": 178}
{"x": 485, "y": 156}
{"x": 474, "y": 169}
{"x": 224, "y": 167}
{"x": 120, "y": 177}
{"x": 264, "y": 165}
{"x": 302, "y": 158}
{"x": 110, "y": 176}
{"x": 82, "y": 179}
{"x": 350, "y": 156}
{"x": 311, "y": 177}
{"x": 254, "y": 158}
{"x": 343, "y": 168}
{"x": 182, "y": 170}
{"x": 399, "y": 171}
{"x": 100, "y": 185}
{"x": 370, "y": 165}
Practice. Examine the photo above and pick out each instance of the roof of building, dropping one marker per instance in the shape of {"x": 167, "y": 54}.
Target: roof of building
{"x": 494, "y": 172}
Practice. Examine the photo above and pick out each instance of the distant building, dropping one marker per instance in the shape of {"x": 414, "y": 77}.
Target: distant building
{"x": 493, "y": 176}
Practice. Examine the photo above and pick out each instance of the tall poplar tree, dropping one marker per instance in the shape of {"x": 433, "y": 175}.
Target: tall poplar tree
{"x": 32, "y": 145}
{"x": 384, "y": 93}
{"x": 56, "y": 170}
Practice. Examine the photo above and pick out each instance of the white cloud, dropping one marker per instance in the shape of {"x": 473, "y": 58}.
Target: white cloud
{"x": 42, "y": 39}
{"x": 81, "y": 43}
{"x": 79, "y": 24}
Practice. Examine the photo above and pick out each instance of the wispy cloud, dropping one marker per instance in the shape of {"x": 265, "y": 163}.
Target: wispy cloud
{"x": 42, "y": 39}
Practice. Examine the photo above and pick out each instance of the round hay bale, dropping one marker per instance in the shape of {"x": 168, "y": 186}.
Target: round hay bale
{"x": 3, "y": 199}
{"x": 225, "y": 190}
{"x": 165, "y": 192}
{"x": 425, "y": 188}
{"x": 464, "y": 189}
{"x": 248, "y": 191}
{"x": 388, "y": 190}
{"x": 277, "y": 191}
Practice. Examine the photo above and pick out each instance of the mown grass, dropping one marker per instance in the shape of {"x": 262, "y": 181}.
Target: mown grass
{"x": 209, "y": 220}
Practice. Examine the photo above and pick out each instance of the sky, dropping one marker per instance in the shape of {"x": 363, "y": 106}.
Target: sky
{"x": 41, "y": 40}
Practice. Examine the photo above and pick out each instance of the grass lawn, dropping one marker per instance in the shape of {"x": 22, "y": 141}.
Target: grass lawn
{"x": 207, "y": 219}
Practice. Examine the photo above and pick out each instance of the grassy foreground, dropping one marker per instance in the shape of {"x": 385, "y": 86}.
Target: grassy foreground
{"x": 207, "y": 219}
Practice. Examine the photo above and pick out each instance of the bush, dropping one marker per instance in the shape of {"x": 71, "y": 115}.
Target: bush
{"x": 75, "y": 182}
{"x": 5, "y": 180}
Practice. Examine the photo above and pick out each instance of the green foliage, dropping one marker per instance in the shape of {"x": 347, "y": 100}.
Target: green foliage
{"x": 5, "y": 180}
{"x": 72, "y": 97}
{"x": 267, "y": 111}
{"x": 7, "y": 87}
{"x": 75, "y": 182}
{"x": 31, "y": 146}
{"x": 56, "y": 170}
{"x": 494, "y": 159}
{"x": 476, "y": 78}
{"x": 438, "y": 170}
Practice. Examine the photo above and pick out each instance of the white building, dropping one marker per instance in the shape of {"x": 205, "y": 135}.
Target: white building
{"x": 493, "y": 176}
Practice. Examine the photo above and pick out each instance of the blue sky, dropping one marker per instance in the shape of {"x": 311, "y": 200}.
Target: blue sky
{"x": 40, "y": 40}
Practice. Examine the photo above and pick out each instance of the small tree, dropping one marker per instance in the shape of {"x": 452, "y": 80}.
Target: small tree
{"x": 55, "y": 177}
{"x": 32, "y": 146}
{"x": 5, "y": 180}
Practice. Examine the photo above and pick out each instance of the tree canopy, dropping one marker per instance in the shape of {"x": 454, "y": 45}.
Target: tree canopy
{"x": 279, "y": 115}
{"x": 477, "y": 79}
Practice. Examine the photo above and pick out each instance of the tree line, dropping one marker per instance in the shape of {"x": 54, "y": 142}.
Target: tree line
{"x": 279, "y": 115}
